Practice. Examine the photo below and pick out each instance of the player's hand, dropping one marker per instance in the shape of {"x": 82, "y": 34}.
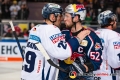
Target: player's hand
{"x": 73, "y": 57}
{"x": 83, "y": 34}
{"x": 75, "y": 70}
{"x": 76, "y": 67}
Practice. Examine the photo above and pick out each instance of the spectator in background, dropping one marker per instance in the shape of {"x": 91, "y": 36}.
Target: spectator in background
{"x": 18, "y": 31}
{"x": 5, "y": 29}
{"x": 32, "y": 25}
{"x": 115, "y": 5}
{"x": 27, "y": 9}
{"x": 5, "y": 9}
{"x": 95, "y": 8}
{"x": 25, "y": 33}
{"x": 14, "y": 9}
{"x": 88, "y": 19}
{"x": 102, "y": 7}
{"x": 23, "y": 13}
{"x": 22, "y": 2}
{"x": 0, "y": 9}
{"x": 9, "y": 33}
{"x": 118, "y": 13}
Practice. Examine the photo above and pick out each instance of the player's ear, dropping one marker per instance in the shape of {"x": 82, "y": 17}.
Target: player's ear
{"x": 75, "y": 19}
{"x": 52, "y": 17}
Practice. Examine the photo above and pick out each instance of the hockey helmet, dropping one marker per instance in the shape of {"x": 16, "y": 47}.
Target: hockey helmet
{"x": 51, "y": 8}
{"x": 104, "y": 18}
{"x": 76, "y": 9}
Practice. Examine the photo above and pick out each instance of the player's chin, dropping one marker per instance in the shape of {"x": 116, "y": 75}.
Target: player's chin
{"x": 58, "y": 25}
{"x": 67, "y": 26}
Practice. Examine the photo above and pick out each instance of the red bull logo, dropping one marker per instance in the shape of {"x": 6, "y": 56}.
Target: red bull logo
{"x": 78, "y": 7}
{"x": 97, "y": 46}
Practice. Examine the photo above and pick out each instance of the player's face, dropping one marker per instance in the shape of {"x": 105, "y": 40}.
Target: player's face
{"x": 68, "y": 20}
{"x": 115, "y": 25}
{"x": 59, "y": 20}
{"x": 114, "y": 22}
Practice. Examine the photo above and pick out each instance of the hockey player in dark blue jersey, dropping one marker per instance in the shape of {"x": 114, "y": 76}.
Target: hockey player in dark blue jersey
{"x": 87, "y": 57}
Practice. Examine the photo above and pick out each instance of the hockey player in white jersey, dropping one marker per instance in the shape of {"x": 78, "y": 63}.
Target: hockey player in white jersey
{"x": 111, "y": 45}
{"x": 35, "y": 66}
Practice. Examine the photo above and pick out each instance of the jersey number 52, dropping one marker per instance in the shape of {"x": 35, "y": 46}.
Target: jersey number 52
{"x": 95, "y": 56}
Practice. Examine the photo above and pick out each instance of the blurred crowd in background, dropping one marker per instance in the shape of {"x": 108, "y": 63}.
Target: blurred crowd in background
{"x": 13, "y": 9}
{"x": 19, "y": 10}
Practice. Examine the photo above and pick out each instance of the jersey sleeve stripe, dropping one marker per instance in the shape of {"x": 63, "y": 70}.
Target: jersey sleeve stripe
{"x": 92, "y": 43}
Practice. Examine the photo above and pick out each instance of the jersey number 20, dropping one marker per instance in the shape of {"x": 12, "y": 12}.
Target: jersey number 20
{"x": 62, "y": 44}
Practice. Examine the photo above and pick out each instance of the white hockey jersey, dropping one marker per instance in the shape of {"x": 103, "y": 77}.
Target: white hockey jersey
{"x": 35, "y": 66}
{"x": 111, "y": 53}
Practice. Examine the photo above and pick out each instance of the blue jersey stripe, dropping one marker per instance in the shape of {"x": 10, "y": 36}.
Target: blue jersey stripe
{"x": 43, "y": 70}
{"x": 47, "y": 77}
{"x": 113, "y": 77}
{"x": 43, "y": 74}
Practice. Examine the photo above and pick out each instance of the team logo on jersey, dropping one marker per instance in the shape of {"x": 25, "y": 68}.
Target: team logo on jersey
{"x": 102, "y": 40}
{"x": 57, "y": 37}
{"x": 116, "y": 45}
{"x": 84, "y": 43}
{"x": 97, "y": 46}
{"x": 34, "y": 29}
{"x": 73, "y": 74}
{"x": 35, "y": 38}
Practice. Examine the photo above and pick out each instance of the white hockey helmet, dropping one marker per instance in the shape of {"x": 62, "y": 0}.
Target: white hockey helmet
{"x": 76, "y": 9}
{"x": 105, "y": 17}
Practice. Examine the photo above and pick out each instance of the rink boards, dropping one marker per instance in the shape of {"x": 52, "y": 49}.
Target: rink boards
{"x": 9, "y": 50}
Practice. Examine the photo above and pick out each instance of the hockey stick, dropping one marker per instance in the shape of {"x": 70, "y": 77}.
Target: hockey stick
{"x": 18, "y": 43}
{"x": 41, "y": 48}
{"x": 43, "y": 51}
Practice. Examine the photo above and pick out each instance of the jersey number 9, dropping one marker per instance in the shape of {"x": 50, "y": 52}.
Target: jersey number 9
{"x": 30, "y": 60}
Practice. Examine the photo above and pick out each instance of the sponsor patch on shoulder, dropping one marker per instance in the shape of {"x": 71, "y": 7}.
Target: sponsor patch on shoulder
{"x": 98, "y": 46}
{"x": 116, "y": 45}
{"x": 34, "y": 29}
{"x": 84, "y": 43}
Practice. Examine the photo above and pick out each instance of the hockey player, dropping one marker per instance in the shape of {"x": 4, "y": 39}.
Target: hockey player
{"x": 87, "y": 57}
{"x": 35, "y": 66}
{"x": 111, "y": 45}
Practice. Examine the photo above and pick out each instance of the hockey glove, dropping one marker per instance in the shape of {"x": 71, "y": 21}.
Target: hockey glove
{"x": 76, "y": 69}
{"x": 71, "y": 59}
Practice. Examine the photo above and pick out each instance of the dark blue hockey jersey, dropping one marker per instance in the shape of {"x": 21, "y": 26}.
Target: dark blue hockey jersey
{"x": 91, "y": 46}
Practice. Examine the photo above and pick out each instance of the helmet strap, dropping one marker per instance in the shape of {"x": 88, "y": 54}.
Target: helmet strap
{"x": 74, "y": 23}
{"x": 51, "y": 20}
